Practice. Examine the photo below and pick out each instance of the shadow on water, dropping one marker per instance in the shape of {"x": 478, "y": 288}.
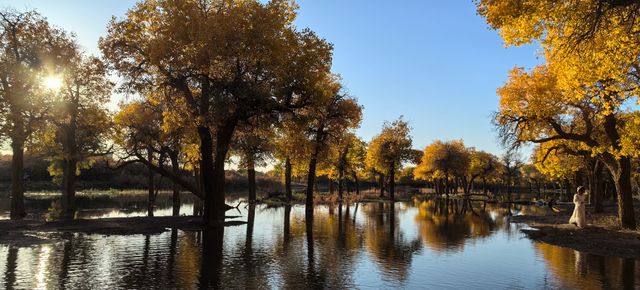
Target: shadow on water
{"x": 433, "y": 243}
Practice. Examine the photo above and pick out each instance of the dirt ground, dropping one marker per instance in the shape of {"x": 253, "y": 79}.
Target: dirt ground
{"x": 30, "y": 232}
{"x": 602, "y": 236}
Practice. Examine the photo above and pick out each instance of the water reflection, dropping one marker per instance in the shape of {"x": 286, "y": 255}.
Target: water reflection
{"x": 418, "y": 244}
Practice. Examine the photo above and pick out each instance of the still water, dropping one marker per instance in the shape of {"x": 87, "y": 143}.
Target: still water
{"x": 419, "y": 244}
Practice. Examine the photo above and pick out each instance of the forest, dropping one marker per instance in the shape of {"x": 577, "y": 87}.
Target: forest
{"x": 232, "y": 93}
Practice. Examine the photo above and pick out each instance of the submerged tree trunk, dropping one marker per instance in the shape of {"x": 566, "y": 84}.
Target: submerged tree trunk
{"x": 69, "y": 161}
{"x": 206, "y": 176}
{"x": 392, "y": 181}
{"x": 251, "y": 174}
{"x": 311, "y": 176}
{"x": 17, "y": 178}
{"x": 150, "y": 185}
{"x": 216, "y": 204}
{"x": 176, "y": 188}
{"x": 287, "y": 179}
{"x": 68, "y": 198}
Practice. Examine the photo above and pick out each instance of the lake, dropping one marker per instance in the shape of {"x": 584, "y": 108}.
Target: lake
{"x": 433, "y": 244}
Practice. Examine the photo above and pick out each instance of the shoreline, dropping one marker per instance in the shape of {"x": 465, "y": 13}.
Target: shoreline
{"x": 601, "y": 236}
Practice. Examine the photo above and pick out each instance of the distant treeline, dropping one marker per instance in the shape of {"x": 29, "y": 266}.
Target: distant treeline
{"x": 102, "y": 177}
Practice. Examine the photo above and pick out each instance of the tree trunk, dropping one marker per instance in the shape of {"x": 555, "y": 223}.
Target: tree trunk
{"x": 392, "y": 181}
{"x": 287, "y": 179}
{"x": 622, "y": 181}
{"x": 340, "y": 185}
{"x": 330, "y": 186}
{"x": 357, "y": 184}
{"x": 69, "y": 167}
{"x": 176, "y": 188}
{"x": 17, "y": 179}
{"x": 150, "y": 184}
{"x": 211, "y": 215}
{"x": 215, "y": 202}
{"x": 381, "y": 185}
{"x": 251, "y": 174}
{"x": 311, "y": 176}
{"x": 594, "y": 177}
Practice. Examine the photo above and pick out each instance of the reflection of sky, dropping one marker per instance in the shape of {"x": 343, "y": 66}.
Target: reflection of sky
{"x": 502, "y": 259}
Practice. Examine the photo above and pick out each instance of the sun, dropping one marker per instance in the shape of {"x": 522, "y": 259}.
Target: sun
{"x": 53, "y": 82}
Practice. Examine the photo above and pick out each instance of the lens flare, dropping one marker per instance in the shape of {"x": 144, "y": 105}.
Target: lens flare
{"x": 53, "y": 82}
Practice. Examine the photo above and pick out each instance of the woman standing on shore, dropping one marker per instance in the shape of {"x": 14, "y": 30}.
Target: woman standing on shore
{"x": 579, "y": 218}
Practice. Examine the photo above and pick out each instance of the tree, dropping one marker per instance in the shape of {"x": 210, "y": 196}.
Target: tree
{"x": 143, "y": 135}
{"x": 534, "y": 108}
{"x": 481, "y": 165}
{"x": 532, "y": 175}
{"x": 290, "y": 148}
{"x": 389, "y": 149}
{"x": 226, "y": 62}
{"x": 79, "y": 124}
{"x": 591, "y": 48}
{"x": 442, "y": 161}
{"x": 253, "y": 144}
{"x": 328, "y": 119}
{"x": 28, "y": 47}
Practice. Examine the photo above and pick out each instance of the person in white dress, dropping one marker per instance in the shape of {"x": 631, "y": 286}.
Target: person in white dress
{"x": 579, "y": 218}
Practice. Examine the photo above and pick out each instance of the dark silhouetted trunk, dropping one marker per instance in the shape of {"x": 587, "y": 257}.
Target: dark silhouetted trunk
{"x": 69, "y": 162}
{"x": 215, "y": 202}
{"x": 17, "y": 179}
{"x": 198, "y": 203}
{"x": 150, "y": 184}
{"x": 330, "y": 186}
{"x": 251, "y": 174}
{"x": 287, "y": 225}
{"x": 381, "y": 183}
{"x": 287, "y": 179}
{"x": 212, "y": 257}
{"x": 392, "y": 181}
{"x": 311, "y": 176}
{"x": 357, "y": 183}
{"x": 341, "y": 168}
{"x": 206, "y": 176}
{"x": 69, "y": 168}
{"x": 176, "y": 188}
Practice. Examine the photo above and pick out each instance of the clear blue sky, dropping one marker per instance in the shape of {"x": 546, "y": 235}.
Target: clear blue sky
{"x": 434, "y": 62}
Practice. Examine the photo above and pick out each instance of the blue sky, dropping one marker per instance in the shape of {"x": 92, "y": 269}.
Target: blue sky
{"x": 434, "y": 62}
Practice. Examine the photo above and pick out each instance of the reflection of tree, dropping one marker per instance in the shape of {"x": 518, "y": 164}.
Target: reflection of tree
{"x": 212, "y": 254}
{"x": 388, "y": 246}
{"x": 445, "y": 225}
{"x": 576, "y": 270}
{"x": 320, "y": 252}
{"x": 10, "y": 271}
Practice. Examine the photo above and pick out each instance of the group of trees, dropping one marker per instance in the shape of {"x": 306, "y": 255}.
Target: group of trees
{"x": 65, "y": 121}
{"x": 450, "y": 165}
{"x": 577, "y": 104}
{"x": 213, "y": 81}
{"x": 205, "y": 80}
{"x": 201, "y": 93}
